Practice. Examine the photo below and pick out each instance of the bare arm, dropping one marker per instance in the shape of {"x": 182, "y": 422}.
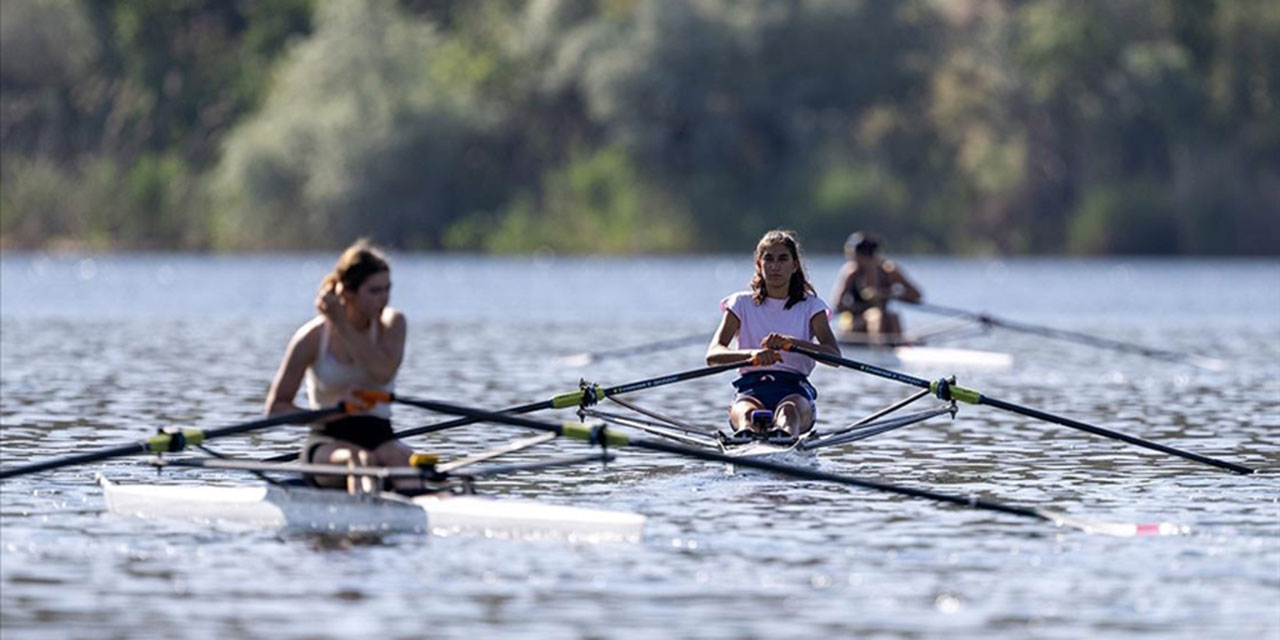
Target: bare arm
{"x": 844, "y": 282}
{"x": 718, "y": 352}
{"x": 903, "y": 287}
{"x": 382, "y": 359}
{"x": 821, "y": 329}
{"x": 300, "y": 352}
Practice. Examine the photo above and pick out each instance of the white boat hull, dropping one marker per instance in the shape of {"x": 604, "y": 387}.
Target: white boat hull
{"x": 309, "y": 510}
{"x": 913, "y": 357}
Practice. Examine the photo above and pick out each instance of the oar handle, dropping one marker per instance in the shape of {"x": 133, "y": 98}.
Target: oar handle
{"x": 841, "y": 361}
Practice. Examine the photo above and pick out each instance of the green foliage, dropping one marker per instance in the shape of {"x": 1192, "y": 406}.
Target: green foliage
{"x": 596, "y": 204}
{"x": 987, "y": 126}
{"x": 1127, "y": 218}
{"x": 728, "y": 104}
{"x": 94, "y": 205}
{"x": 359, "y": 138}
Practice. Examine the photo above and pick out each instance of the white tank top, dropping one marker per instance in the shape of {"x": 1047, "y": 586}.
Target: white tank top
{"x": 328, "y": 380}
{"x": 759, "y": 320}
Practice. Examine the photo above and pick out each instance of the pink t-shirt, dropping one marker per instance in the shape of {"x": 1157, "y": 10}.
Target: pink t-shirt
{"x": 759, "y": 320}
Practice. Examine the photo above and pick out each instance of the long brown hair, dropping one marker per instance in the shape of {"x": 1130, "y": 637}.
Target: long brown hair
{"x": 355, "y": 265}
{"x": 799, "y": 286}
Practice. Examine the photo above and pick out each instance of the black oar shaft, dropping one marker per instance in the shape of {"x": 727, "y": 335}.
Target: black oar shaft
{"x": 971, "y": 396}
{"x": 477, "y": 415}
{"x": 841, "y": 361}
{"x": 813, "y": 474}
{"x": 462, "y": 422}
{"x": 1076, "y": 424}
{"x": 79, "y": 458}
{"x": 171, "y": 441}
{"x": 300, "y": 417}
{"x": 616, "y": 439}
{"x": 432, "y": 428}
{"x": 1065, "y": 334}
{"x": 670, "y": 379}
{"x": 561, "y": 401}
{"x": 575, "y": 398}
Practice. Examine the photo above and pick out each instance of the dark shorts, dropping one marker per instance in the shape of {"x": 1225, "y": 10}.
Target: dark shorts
{"x": 366, "y": 432}
{"x": 770, "y": 387}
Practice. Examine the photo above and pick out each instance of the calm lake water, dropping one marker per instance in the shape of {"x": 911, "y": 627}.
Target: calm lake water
{"x": 101, "y": 350}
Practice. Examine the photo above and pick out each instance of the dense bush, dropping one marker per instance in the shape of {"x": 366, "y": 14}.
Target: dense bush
{"x": 1130, "y": 126}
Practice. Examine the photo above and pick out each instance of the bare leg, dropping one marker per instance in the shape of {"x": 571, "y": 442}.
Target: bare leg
{"x": 394, "y": 453}
{"x": 891, "y": 325}
{"x": 874, "y": 319}
{"x": 340, "y": 452}
{"x": 794, "y": 414}
{"x": 858, "y": 323}
{"x": 740, "y": 413}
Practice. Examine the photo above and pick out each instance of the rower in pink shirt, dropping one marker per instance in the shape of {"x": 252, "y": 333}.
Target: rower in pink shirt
{"x": 774, "y": 396}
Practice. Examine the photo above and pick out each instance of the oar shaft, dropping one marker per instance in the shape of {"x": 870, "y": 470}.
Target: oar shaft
{"x": 617, "y": 439}
{"x": 971, "y": 396}
{"x": 462, "y": 422}
{"x": 574, "y": 398}
{"x": 300, "y": 417}
{"x": 842, "y": 361}
{"x": 432, "y": 428}
{"x": 79, "y": 458}
{"x": 561, "y": 401}
{"x": 1076, "y": 424}
{"x": 1065, "y": 334}
{"x": 477, "y": 415}
{"x": 172, "y": 441}
{"x": 813, "y": 474}
{"x": 671, "y": 379}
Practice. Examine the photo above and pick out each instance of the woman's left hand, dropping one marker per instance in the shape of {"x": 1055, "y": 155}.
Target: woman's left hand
{"x": 776, "y": 341}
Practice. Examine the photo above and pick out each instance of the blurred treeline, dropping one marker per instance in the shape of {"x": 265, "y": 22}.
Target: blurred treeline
{"x": 970, "y": 126}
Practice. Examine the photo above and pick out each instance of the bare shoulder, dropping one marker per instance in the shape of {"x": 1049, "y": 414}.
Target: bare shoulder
{"x": 305, "y": 342}
{"x": 392, "y": 318}
{"x": 309, "y": 332}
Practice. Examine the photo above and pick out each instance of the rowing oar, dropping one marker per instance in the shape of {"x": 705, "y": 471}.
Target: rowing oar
{"x": 590, "y": 395}
{"x": 584, "y": 359}
{"x": 1212, "y": 364}
{"x": 946, "y": 390}
{"x": 171, "y": 440}
{"x": 603, "y": 437}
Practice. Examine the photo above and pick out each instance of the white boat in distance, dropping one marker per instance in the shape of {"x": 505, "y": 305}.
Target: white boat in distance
{"x": 302, "y": 509}
{"x": 918, "y": 357}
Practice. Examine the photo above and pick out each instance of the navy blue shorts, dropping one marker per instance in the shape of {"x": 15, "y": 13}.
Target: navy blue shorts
{"x": 770, "y": 387}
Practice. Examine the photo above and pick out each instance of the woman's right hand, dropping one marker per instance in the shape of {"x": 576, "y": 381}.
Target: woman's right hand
{"x": 329, "y": 304}
{"x": 764, "y": 357}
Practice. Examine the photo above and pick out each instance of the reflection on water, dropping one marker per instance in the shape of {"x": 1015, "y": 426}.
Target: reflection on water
{"x": 102, "y": 350}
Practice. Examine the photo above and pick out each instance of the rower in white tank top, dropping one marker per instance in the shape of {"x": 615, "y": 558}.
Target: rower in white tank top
{"x": 329, "y": 381}
{"x": 352, "y": 313}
